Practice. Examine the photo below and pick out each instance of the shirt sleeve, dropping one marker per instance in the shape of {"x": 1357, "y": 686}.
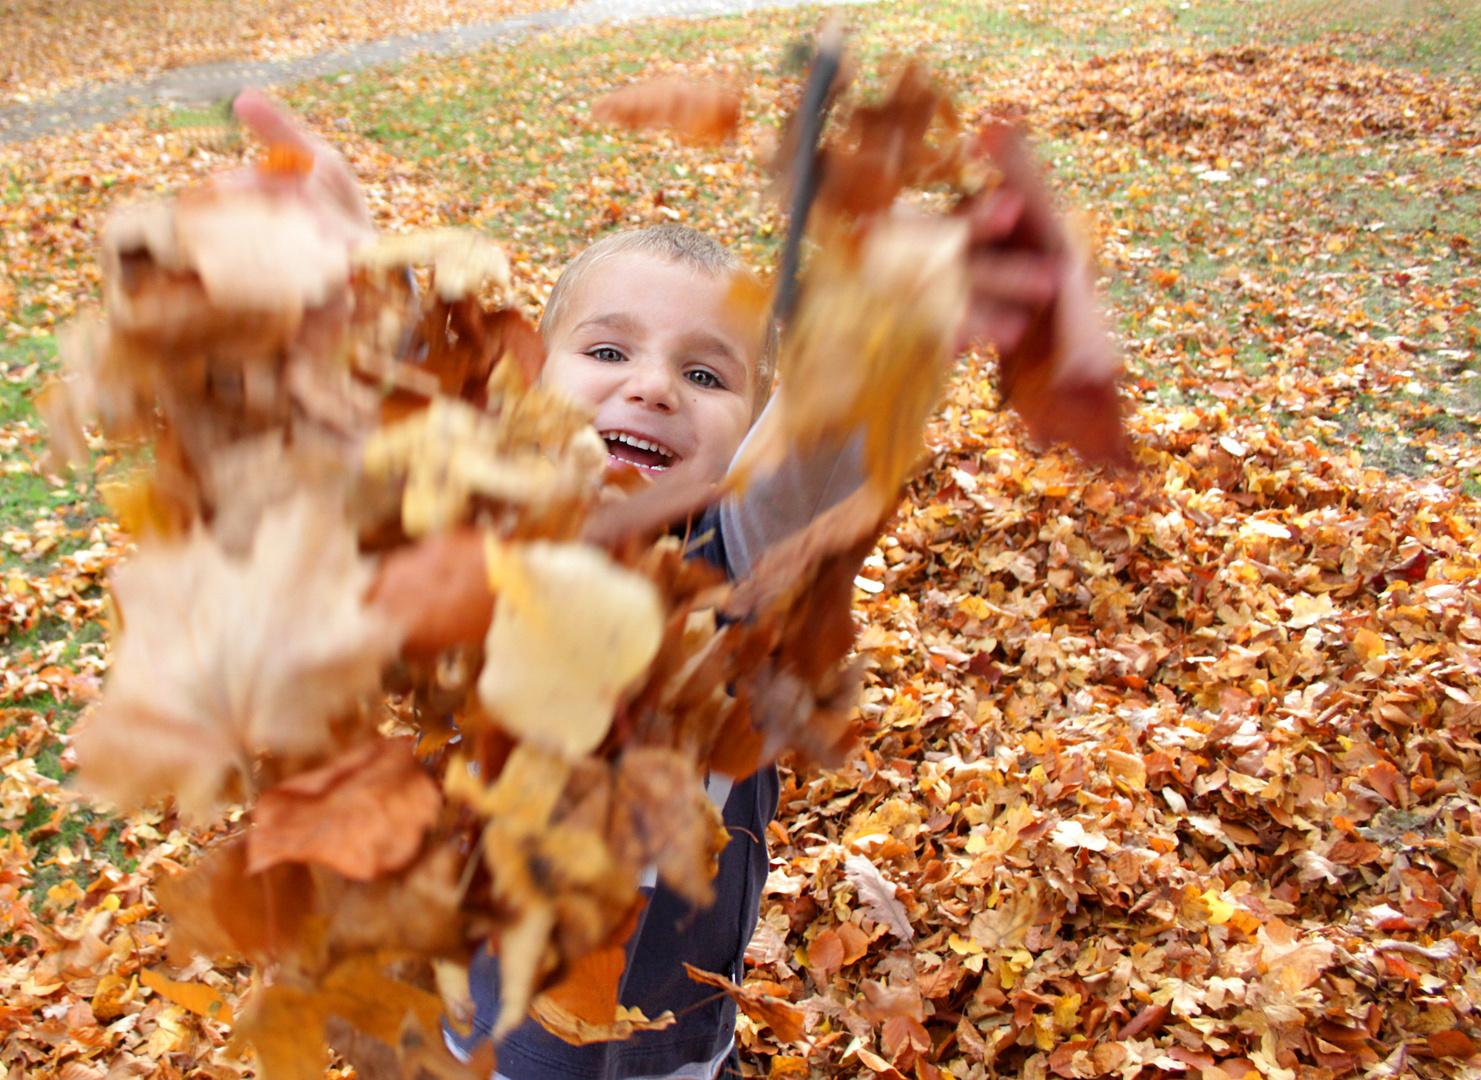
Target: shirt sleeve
{"x": 779, "y": 503}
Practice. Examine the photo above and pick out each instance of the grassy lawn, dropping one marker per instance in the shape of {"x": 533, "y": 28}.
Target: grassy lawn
{"x": 1441, "y": 36}
{"x": 53, "y": 548}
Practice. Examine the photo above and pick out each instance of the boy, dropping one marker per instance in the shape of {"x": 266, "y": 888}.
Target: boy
{"x": 638, "y": 330}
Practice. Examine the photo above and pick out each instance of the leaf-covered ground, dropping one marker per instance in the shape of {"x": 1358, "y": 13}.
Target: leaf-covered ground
{"x": 54, "y": 47}
{"x": 1176, "y": 773}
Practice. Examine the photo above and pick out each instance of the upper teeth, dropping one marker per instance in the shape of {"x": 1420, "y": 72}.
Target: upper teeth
{"x": 633, "y": 440}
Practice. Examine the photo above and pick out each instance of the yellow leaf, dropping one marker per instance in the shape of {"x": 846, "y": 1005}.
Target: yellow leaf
{"x": 1067, "y": 1011}
{"x": 199, "y": 998}
{"x": 974, "y": 607}
{"x": 1014, "y": 965}
{"x": 962, "y": 946}
{"x": 1044, "y": 1032}
{"x": 112, "y": 994}
{"x": 64, "y": 894}
{"x": 1219, "y": 909}
{"x": 1368, "y": 644}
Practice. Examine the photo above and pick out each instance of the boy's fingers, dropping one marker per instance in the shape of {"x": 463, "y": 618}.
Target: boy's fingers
{"x": 1023, "y": 181}
{"x": 344, "y": 189}
{"x": 1014, "y": 277}
{"x": 274, "y": 126}
{"x": 1001, "y": 324}
{"x": 262, "y": 116}
{"x": 992, "y": 218}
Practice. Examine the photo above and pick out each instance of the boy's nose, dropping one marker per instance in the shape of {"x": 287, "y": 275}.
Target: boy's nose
{"x": 653, "y": 386}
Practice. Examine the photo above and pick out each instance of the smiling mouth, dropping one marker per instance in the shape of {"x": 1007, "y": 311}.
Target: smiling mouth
{"x": 642, "y": 453}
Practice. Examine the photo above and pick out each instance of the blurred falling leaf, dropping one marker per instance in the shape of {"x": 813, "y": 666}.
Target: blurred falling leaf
{"x": 363, "y": 814}
{"x": 784, "y": 1018}
{"x": 197, "y": 997}
{"x": 281, "y": 642}
{"x": 571, "y": 631}
{"x": 867, "y": 351}
{"x": 700, "y": 110}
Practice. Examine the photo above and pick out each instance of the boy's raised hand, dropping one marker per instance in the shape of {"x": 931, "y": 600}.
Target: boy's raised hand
{"x": 303, "y": 163}
{"x": 1030, "y": 295}
{"x": 1015, "y": 253}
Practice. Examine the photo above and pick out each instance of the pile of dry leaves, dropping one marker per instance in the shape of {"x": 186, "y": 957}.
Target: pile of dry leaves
{"x": 1174, "y": 773}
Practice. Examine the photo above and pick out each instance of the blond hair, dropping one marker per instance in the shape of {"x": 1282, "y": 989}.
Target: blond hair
{"x": 675, "y": 243}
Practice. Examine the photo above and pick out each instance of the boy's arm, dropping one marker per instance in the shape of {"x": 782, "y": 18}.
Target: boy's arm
{"x": 1028, "y": 297}
{"x": 777, "y": 504}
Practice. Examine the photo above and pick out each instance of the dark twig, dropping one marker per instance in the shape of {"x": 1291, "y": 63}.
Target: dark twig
{"x": 811, "y": 114}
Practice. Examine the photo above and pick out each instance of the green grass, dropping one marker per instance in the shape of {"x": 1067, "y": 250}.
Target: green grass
{"x": 1442, "y": 36}
{"x": 25, "y": 498}
{"x": 1343, "y": 249}
{"x": 47, "y": 831}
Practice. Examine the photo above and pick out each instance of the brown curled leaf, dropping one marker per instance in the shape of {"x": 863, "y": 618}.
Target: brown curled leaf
{"x": 364, "y": 814}
{"x": 784, "y": 1018}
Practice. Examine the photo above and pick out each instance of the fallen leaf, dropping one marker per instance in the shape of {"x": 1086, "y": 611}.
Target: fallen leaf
{"x": 878, "y": 896}
{"x": 825, "y": 953}
{"x": 1451, "y": 1043}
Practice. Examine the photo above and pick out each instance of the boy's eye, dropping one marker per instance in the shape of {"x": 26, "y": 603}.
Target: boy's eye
{"x": 705, "y": 378}
{"x": 606, "y": 354}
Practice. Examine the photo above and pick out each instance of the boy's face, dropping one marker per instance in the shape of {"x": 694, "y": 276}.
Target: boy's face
{"x": 666, "y": 364}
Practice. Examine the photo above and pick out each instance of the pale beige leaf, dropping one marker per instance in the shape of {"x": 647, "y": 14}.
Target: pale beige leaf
{"x": 451, "y": 451}
{"x": 222, "y": 658}
{"x": 878, "y": 896}
{"x": 571, "y": 631}
{"x": 260, "y": 252}
{"x": 462, "y": 260}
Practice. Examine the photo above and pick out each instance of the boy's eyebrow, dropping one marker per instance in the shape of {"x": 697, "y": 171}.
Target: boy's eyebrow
{"x": 707, "y": 344}
{"x": 615, "y": 321}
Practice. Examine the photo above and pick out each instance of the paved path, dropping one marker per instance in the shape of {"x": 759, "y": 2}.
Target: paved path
{"x": 210, "y": 83}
